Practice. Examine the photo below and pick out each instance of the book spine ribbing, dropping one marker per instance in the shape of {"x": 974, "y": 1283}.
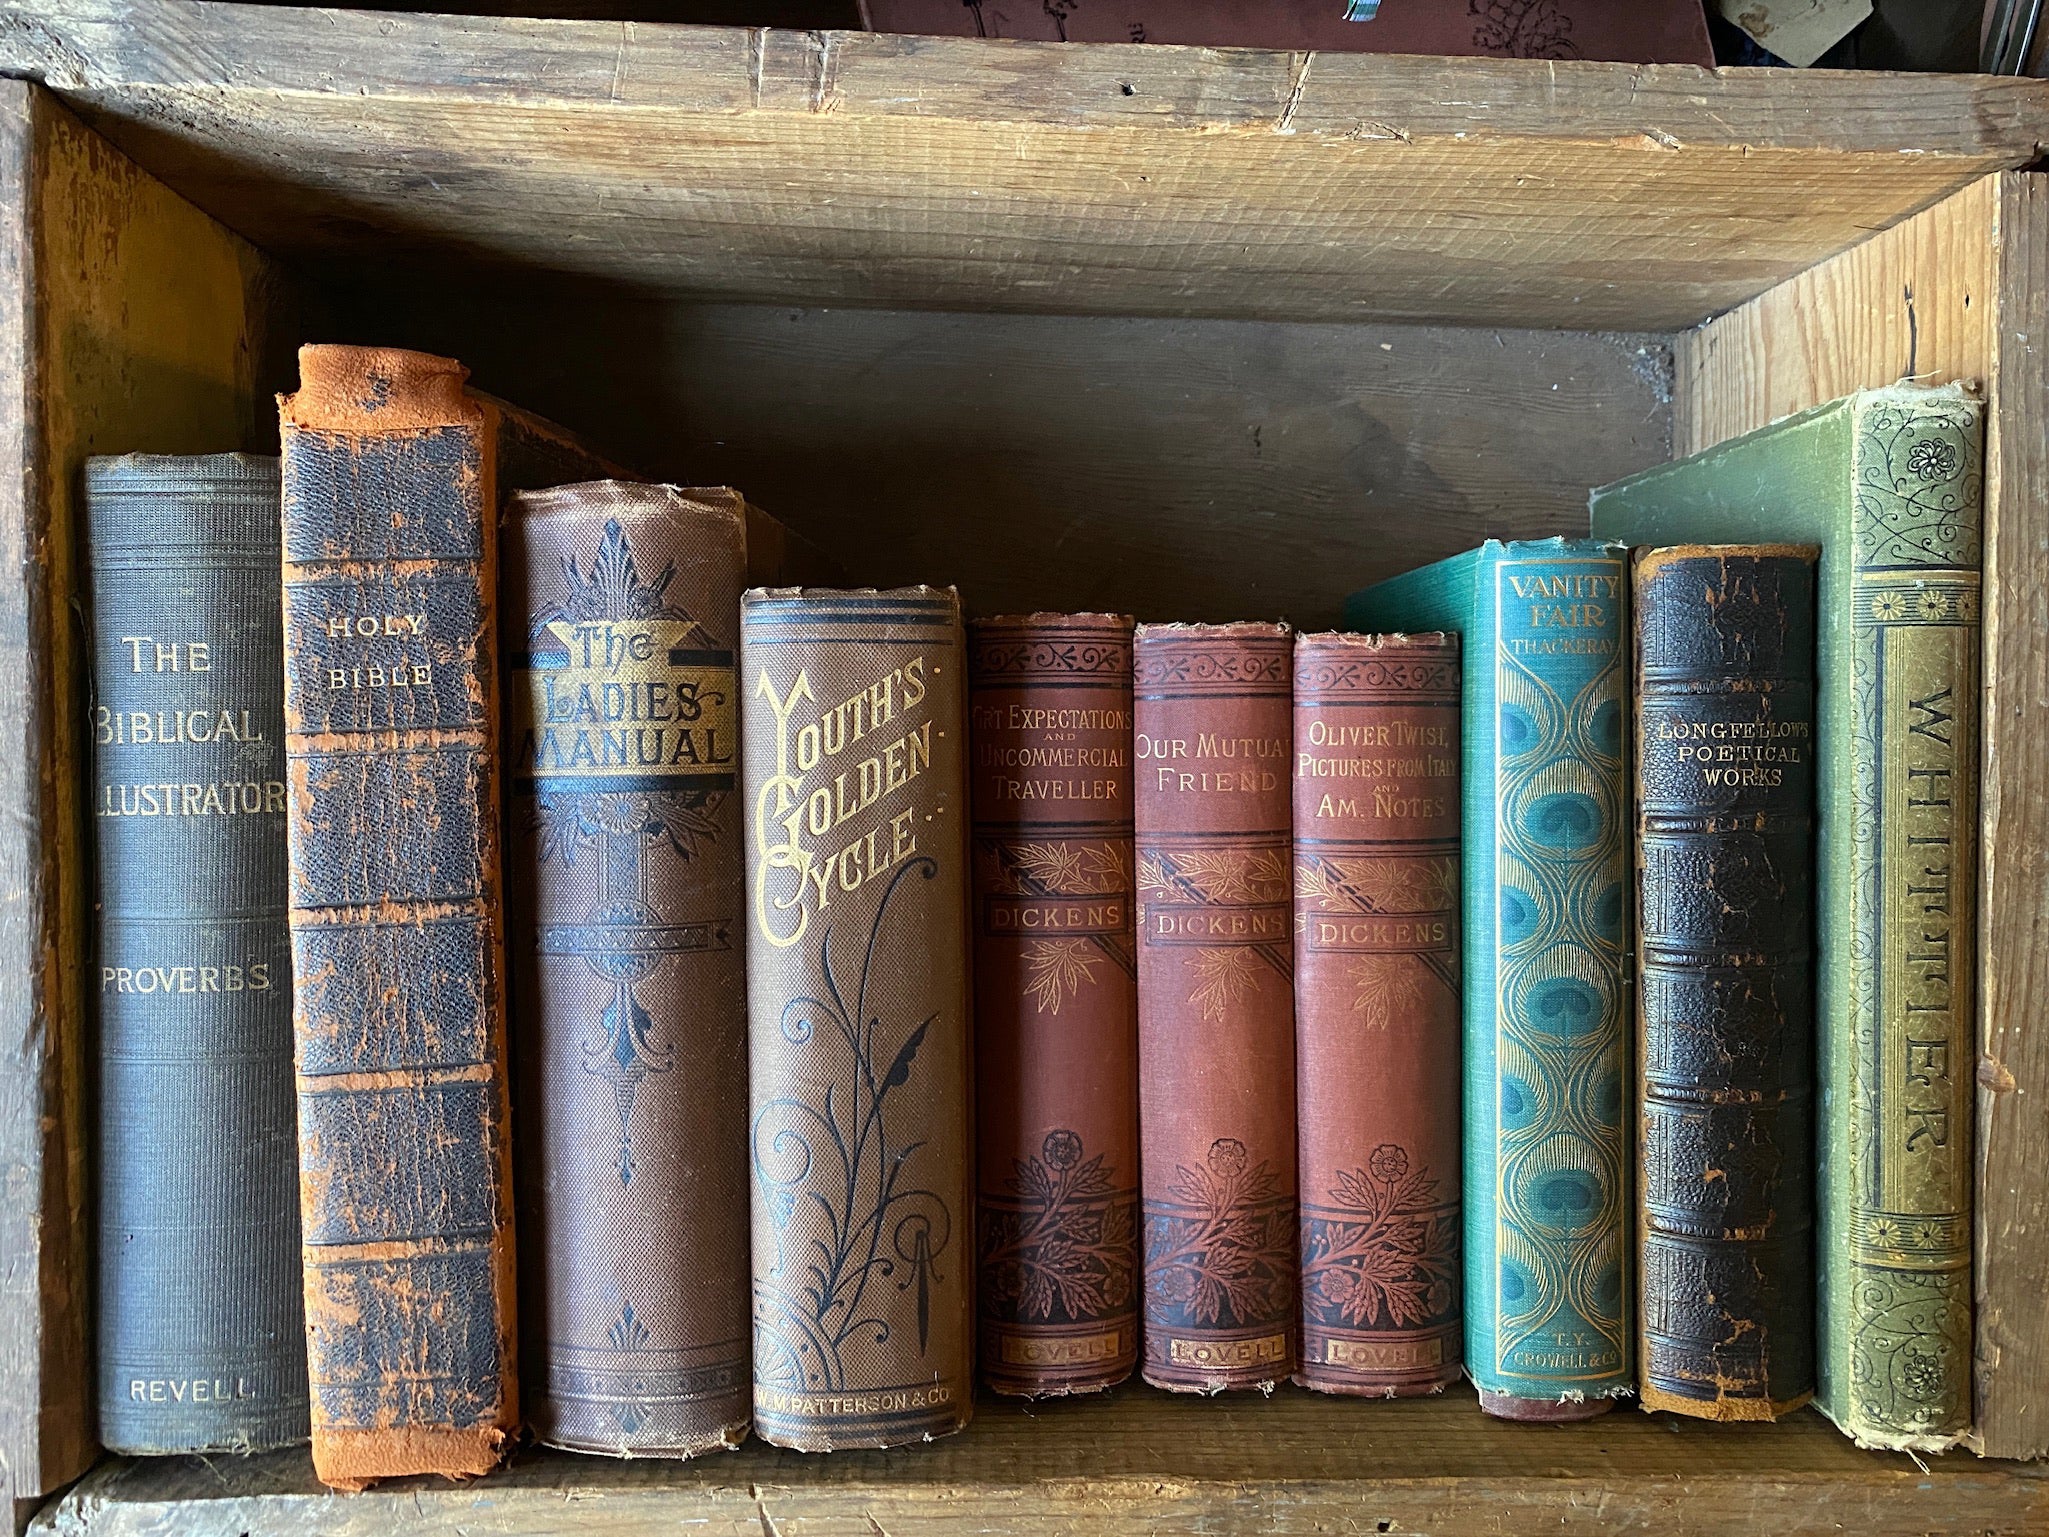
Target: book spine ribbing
{"x": 1547, "y": 1016}
{"x": 858, "y": 1015}
{"x": 1056, "y": 1001}
{"x": 1377, "y": 994}
{"x": 1216, "y": 1004}
{"x": 201, "y": 1336}
{"x": 391, "y": 716}
{"x": 1899, "y": 1038}
{"x": 1725, "y": 790}
{"x": 628, "y": 1006}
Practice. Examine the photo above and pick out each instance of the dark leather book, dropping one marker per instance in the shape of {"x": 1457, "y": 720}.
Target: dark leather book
{"x": 858, "y": 1014}
{"x": 1627, "y": 31}
{"x": 621, "y": 616}
{"x": 392, "y": 477}
{"x": 201, "y": 1333}
{"x": 1724, "y": 850}
{"x": 1216, "y": 1007}
{"x": 1377, "y": 994}
{"x": 1056, "y": 1001}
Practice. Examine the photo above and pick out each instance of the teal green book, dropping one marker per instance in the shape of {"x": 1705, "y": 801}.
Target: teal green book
{"x": 1890, "y": 484}
{"x": 1545, "y": 944}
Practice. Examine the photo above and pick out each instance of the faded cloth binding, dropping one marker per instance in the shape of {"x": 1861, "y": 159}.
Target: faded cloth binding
{"x": 1725, "y": 826}
{"x": 201, "y": 1332}
{"x": 1056, "y": 1001}
{"x": 1377, "y": 991}
{"x": 858, "y": 1014}
{"x": 629, "y": 1004}
{"x": 1216, "y": 1004}
{"x": 391, "y": 477}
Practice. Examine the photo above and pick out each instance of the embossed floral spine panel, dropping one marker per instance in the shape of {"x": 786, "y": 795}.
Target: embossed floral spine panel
{"x": 858, "y": 1014}
{"x": 1545, "y": 870}
{"x": 1890, "y": 484}
{"x": 1056, "y": 1001}
{"x": 1377, "y": 990}
{"x": 1216, "y": 1004}
{"x": 391, "y": 745}
{"x": 625, "y": 881}
{"x": 1725, "y": 998}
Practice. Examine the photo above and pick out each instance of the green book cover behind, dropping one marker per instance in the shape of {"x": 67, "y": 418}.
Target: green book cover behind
{"x": 1546, "y": 905}
{"x": 1890, "y": 484}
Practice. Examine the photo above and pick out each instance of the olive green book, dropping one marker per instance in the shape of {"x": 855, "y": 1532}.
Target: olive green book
{"x": 1890, "y": 484}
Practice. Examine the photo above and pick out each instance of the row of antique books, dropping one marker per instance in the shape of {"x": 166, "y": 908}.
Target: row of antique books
{"x": 831, "y": 996}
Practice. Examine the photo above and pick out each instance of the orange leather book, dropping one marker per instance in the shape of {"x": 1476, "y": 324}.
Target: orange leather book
{"x": 392, "y": 472}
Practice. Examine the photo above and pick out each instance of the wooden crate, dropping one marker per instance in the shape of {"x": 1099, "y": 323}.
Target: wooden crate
{"x": 1190, "y": 333}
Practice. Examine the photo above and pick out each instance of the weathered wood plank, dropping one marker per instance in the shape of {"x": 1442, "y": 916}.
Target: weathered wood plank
{"x": 1139, "y": 1462}
{"x": 1176, "y": 469}
{"x": 128, "y": 321}
{"x": 1918, "y": 299}
{"x": 834, "y": 168}
{"x": 1959, "y": 292}
{"x": 2012, "y": 1382}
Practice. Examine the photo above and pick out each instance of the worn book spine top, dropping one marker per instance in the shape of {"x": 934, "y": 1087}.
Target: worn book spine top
{"x": 1547, "y": 906}
{"x": 1056, "y": 1001}
{"x": 628, "y": 1005}
{"x": 1890, "y": 484}
{"x": 1377, "y": 1010}
{"x": 858, "y": 1014}
{"x": 1725, "y": 791}
{"x": 1216, "y": 1010}
{"x": 201, "y": 1331}
{"x": 391, "y": 716}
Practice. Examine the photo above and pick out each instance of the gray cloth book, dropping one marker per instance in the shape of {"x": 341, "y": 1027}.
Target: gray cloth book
{"x": 201, "y": 1344}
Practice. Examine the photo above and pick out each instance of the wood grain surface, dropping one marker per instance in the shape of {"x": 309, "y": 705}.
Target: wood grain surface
{"x": 838, "y": 168}
{"x": 130, "y": 322}
{"x": 1139, "y": 1461}
{"x": 1960, "y": 291}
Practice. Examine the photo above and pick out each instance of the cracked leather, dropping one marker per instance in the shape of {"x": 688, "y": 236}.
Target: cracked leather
{"x": 1725, "y": 794}
{"x": 392, "y": 471}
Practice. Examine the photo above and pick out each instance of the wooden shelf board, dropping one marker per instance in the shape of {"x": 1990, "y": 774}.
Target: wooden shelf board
{"x": 843, "y": 168}
{"x": 1138, "y": 1461}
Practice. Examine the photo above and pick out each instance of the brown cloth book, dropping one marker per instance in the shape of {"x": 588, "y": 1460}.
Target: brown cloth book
{"x": 1216, "y": 1015}
{"x": 1625, "y": 31}
{"x": 1377, "y": 1011}
{"x": 629, "y": 1000}
{"x": 1056, "y": 1001}
{"x": 392, "y": 474}
{"x": 858, "y": 1014}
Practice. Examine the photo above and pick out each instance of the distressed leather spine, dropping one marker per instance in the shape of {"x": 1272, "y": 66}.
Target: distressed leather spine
{"x": 1890, "y": 484}
{"x": 391, "y": 714}
{"x": 1216, "y": 1004}
{"x": 1056, "y": 1001}
{"x": 858, "y": 1014}
{"x": 1725, "y": 794}
{"x": 628, "y": 1005}
{"x": 1545, "y": 923}
{"x": 201, "y": 1332}
{"x": 1376, "y": 782}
